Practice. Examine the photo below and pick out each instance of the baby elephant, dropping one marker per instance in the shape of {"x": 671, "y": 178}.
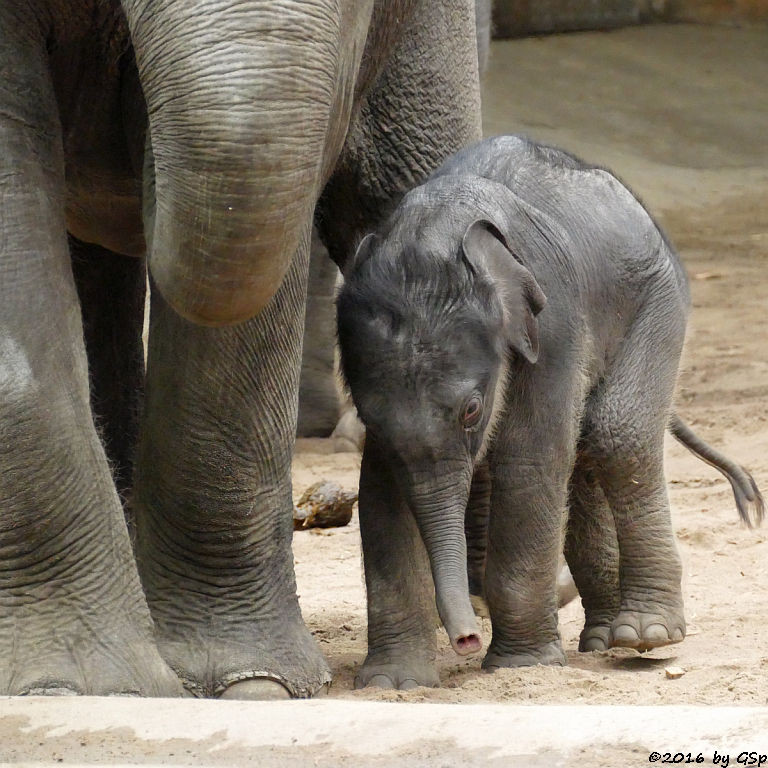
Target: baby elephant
{"x": 519, "y": 318}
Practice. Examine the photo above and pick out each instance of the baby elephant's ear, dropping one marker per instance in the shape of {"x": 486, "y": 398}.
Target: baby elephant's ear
{"x": 484, "y": 244}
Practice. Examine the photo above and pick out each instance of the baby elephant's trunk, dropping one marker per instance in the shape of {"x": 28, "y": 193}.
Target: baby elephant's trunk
{"x": 440, "y": 517}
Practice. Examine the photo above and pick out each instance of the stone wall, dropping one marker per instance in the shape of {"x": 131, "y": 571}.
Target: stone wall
{"x": 513, "y": 18}
{"x": 717, "y": 11}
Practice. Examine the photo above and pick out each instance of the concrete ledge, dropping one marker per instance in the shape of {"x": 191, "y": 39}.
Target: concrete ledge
{"x": 92, "y": 731}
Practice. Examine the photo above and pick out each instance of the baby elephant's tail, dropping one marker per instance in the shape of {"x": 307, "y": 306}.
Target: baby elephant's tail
{"x": 748, "y": 498}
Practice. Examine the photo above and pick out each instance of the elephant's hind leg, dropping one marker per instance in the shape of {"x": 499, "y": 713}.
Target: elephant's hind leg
{"x": 112, "y": 288}
{"x": 476, "y": 532}
{"x": 592, "y": 553}
{"x": 624, "y": 431}
{"x": 319, "y": 402}
{"x": 72, "y": 615}
{"x": 212, "y": 499}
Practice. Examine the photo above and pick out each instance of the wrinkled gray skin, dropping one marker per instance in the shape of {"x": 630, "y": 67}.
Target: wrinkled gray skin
{"x": 255, "y": 109}
{"x": 322, "y": 410}
{"x": 511, "y": 340}
{"x": 319, "y": 398}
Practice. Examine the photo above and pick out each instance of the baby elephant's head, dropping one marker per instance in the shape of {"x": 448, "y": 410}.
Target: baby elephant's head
{"x": 428, "y": 316}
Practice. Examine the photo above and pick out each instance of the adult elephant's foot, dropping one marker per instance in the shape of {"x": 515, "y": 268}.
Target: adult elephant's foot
{"x": 644, "y": 630}
{"x": 269, "y": 659}
{"x": 71, "y": 647}
{"x": 225, "y": 608}
{"x": 212, "y": 498}
{"x": 264, "y": 689}
{"x": 596, "y": 634}
{"x": 550, "y": 654}
{"x": 397, "y": 670}
{"x": 73, "y": 617}
{"x": 595, "y": 637}
{"x": 91, "y": 669}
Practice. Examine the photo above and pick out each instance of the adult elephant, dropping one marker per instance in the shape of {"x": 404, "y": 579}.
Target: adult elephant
{"x": 249, "y": 113}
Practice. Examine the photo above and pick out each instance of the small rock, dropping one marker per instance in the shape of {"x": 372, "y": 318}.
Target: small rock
{"x": 673, "y": 673}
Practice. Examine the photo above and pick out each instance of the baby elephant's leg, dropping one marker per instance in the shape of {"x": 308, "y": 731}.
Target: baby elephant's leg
{"x": 524, "y": 542}
{"x": 625, "y": 432}
{"x": 592, "y": 552}
{"x": 476, "y": 531}
{"x": 402, "y": 617}
{"x": 531, "y": 463}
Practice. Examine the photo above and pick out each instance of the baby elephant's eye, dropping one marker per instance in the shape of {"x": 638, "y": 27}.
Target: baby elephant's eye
{"x": 473, "y": 412}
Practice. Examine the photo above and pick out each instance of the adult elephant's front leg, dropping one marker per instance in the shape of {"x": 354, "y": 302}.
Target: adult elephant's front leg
{"x": 213, "y": 500}
{"x": 72, "y": 615}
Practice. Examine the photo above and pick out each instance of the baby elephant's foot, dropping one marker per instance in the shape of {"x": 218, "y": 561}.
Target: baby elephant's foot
{"x": 643, "y": 631}
{"x": 550, "y": 654}
{"x": 398, "y": 672}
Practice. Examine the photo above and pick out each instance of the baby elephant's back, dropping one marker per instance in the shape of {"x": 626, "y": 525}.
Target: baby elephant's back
{"x": 593, "y": 248}
{"x": 607, "y": 227}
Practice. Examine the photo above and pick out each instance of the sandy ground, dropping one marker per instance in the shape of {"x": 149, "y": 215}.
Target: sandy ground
{"x": 681, "y": 113}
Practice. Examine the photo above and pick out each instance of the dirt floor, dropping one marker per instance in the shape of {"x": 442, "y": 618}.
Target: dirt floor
{"x": 681, "y": 114}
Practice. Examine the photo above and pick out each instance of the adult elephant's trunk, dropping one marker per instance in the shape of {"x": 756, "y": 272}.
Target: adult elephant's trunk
{"x": 248, "y": 106}
{"x": 439, "y": 505}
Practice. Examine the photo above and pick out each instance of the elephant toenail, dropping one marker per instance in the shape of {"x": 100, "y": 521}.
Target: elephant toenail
{"x": 656, "y": 633}
{"x": 625, "y": 635}
{"x": 256, "y": 689}
{"x": 594, "y": 644}
{"x": 381, "y": 681}
{"x": 51, "y": 691}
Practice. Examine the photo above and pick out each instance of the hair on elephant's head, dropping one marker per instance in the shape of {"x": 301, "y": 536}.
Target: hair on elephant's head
{"x": 430, "y": 311}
